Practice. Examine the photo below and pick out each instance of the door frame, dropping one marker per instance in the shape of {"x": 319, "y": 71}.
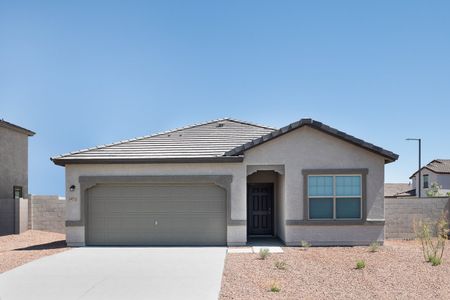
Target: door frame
{"x": 272, "y": 213}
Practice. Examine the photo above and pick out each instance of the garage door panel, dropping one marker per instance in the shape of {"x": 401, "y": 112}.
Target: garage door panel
{"x": 169, "y": 214}
{"x": 161, "y": 206}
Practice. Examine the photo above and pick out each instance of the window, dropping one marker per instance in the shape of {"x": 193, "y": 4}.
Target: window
{"x": 334, "y": 197}
{"x": 17, "y": 193}
{"x": 425, "y": 181}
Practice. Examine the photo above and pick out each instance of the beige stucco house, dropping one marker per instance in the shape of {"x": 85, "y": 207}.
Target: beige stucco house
{"x": 224, "y": 181}
{"x": 435, "y": 172}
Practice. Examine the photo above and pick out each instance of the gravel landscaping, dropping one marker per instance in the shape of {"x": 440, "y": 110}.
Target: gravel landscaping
{"x": 396, "y": 271}
{"x": 18, "y": 249}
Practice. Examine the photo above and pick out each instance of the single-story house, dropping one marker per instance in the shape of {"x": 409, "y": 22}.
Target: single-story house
{"x": 223, "y": 181}
{"x": 437, "y": 171}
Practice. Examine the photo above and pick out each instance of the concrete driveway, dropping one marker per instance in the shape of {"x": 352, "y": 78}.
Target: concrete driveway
{"x": 119, "y": 273}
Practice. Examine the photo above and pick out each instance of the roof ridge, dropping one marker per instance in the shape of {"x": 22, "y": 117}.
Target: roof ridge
{"x": 156, "y": 134}
{"x": 250, "y": 123}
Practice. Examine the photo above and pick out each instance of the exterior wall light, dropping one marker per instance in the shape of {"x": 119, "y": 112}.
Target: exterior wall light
{"x": 72, "y": 188}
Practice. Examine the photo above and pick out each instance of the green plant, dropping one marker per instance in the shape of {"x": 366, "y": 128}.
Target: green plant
{"x": 433, "y": 191}
{"x": 264, "y": 253}
{"x": 305, "y": 244}
{"x": 435, "y": 261}
{"x": 360, "y": 264}
{"x": 275, "y": 287}
{"x": 374, "y": 246}
{"x": 448, "y": 194}
{"x": 281, "y": 265}
{"x": 432, "y": 247}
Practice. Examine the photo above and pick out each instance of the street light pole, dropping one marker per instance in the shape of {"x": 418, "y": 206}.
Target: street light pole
{"x": 420, "y": 164}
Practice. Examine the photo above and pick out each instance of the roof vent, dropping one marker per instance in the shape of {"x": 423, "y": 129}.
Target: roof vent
{"x": 220, "y": 125}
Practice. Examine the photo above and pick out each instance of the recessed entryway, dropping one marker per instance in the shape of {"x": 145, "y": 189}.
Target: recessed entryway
{"x": 260, "y": 208}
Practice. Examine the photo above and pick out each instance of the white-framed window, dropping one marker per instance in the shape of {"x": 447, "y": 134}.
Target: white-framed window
{"x": 335, "y": 197}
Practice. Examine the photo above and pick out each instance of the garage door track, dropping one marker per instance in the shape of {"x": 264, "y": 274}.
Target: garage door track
{"x": 119, "y": 273}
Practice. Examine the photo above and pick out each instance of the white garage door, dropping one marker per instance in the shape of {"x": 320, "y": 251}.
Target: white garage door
{"x": 156, "y": 214}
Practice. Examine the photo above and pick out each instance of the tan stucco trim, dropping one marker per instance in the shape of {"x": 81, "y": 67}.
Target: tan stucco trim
{"x": 333, "y": 222}
{"x": 87, "y": 182}
{"x": 306, "y": 221}
{"x": 251, "y": 169}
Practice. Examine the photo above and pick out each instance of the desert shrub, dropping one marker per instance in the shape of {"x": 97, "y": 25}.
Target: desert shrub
{"x": 434, "y": 190}
{"x": 275, "y": 287}
{"x": 281, "y": 265}
{"x": 305, "y": 244}
{"x": 432, "y": 247}
{"x": 374, "y": 246}
{"x": 435, "y": 261}
{"x": 360, "y": 264}
{"x": 264, "y": 253}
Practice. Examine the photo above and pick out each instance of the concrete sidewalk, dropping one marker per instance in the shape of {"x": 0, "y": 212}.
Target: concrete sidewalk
{"x": 119, "y": 273}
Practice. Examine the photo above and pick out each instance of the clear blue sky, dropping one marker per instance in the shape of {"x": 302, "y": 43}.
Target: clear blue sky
{"x": 81, "y": 73}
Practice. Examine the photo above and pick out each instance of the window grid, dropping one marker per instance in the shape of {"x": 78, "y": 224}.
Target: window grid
{"x": 334, "y": 196}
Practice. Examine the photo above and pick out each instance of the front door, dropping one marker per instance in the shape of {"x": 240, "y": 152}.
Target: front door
{"x": 260, "y": 209}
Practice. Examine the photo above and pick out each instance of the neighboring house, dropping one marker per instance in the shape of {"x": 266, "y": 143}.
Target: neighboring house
{"x": 13, "y": 160}
{"x": 13, "y": 176}
{"x": 397, "y": 190}
{"x": 221, "y": 182}
{"x": 437, "y": 171}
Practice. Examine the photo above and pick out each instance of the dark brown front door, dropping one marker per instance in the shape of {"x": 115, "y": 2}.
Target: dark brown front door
{"x": 260, "y": 209}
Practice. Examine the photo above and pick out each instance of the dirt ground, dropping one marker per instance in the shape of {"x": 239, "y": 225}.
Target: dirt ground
{"x": 396, "y": 271}
{"x": 18, "y": 249}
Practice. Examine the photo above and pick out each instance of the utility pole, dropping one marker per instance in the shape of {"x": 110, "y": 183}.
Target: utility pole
{"x": 420, "y": 164}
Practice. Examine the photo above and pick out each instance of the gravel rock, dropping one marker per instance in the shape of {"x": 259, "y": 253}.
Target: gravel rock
{"x": 396, "y": 271}
{"x": 18, "y": 249}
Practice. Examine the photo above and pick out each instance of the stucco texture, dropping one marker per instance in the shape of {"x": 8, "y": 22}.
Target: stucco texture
{"x": 304, "y": 148}
{"x": 13, "y": 162}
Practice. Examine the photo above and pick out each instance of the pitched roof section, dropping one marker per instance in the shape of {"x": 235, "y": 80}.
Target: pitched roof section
{"x": 14, "y": 127}
{"x": 390, "y": 156}
{"x": 440, "y": 166}
{"x": 395, "y": 190}
{"x": 196, "y": 143}
{"x": 218, "y": 140}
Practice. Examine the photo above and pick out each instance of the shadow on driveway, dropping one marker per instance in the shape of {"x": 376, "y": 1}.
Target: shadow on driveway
{"x": 47, "y": 246}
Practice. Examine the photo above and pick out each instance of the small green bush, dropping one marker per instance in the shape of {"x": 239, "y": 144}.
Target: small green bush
{"x": 374, "y": 247}
{"x": 264, "y": 253}
{"x": 305, "y": 244}
{"x": 275, "y": 287}
{"x": 281, "y": 265}
{"x": 433, "y": 237}
{"x": 360, "y": 264}
{"x": 435, "y": 261}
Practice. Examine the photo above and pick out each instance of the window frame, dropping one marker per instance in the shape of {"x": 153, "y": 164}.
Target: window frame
{"x": 335, "y": 172}
{"x": 14, "y": 191}
{"x": 427, "y": 181}
{"x": 335, "y": 197}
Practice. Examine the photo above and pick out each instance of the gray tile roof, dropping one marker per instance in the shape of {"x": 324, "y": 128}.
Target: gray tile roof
{"x": 218, "y": 140}
{"x": 390, "y": 156}
{"x": 199, "y": 142}
{"x": 394, "y": 190}
{"x": 440, "y": 166}
{"x": 14, "y": 127}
